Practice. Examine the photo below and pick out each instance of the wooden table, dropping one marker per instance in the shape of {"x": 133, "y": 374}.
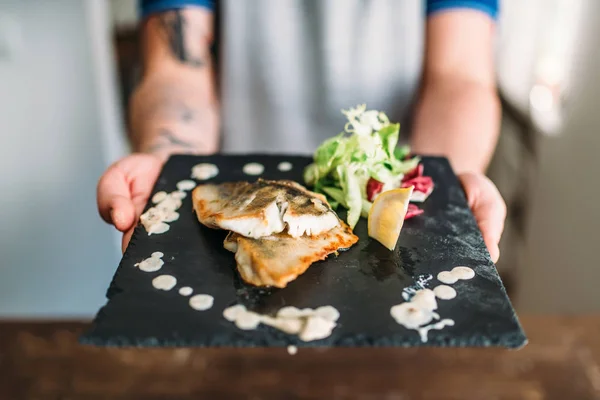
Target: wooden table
{"x": 44, "y": 361}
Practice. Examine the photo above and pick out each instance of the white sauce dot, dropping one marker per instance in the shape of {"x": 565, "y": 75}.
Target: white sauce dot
{"x": 410, "y": 316}
{"x": 204, "y": 171}
{"x": 231, "y": 313}
{"x": 186, "y": 291}
{"x": 253, "y": 169}
{"x": 292, "y": 350}
{"x": 444, "y": 292}
{"x": 185, "y": 185}
{"x": 164, "y": 282}
{"x": 463, "y": 272}
{"x": 158, "y": 228}
{"x": 171, "y": 216}
{"x": 152, "y": 263}
{"x": 158, "y": 197}
{"x": 178, "y": 195}
{"x": 285, "y": 166}
{"x": 171, "y": 203}
{"x": 447, "y": 277}
{"x": 201, "y": 302}
{"x": 152, "y": 216}
{"x": 450, "y": 277}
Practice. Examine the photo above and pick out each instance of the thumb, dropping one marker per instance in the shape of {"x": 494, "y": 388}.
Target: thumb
{"x": 488, "y": 207}
{"x": 126, "y": 238}
{"x": 114, "y": 199}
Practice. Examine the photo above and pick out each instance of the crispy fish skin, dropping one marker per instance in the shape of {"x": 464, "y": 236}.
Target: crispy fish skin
{"x": 278, "y": 259}
{"x": 263, "y": 208}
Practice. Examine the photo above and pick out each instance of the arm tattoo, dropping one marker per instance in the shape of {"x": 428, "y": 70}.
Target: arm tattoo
{"x": 169, "y": 104}
{"x": 172, "y": 139}
{"x": 168, "y": 139}
{"x": 174, "y": 25}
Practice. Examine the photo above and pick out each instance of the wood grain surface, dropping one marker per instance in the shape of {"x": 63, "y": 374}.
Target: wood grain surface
{"x": 44, "y": 361}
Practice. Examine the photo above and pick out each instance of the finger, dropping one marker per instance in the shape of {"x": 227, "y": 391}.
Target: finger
{"x": 146, "y": 168}
{"x": 493, "y": 248}
{"x": 488, "y": 208}
{"x": 114, "y": 199}
{"x": 489, "y": 211}
{"x": 126, "y": 239}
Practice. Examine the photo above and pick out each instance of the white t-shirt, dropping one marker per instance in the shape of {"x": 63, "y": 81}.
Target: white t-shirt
{"x": 289, "y": 66}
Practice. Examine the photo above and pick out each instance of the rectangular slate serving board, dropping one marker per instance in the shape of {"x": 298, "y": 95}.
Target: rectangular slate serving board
{"x": 363, "y": 283}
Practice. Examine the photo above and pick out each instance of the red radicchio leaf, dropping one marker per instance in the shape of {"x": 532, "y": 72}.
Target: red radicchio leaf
{"x": 374, "y": 187}
{"x": 413, "y": 211}
{"x": 421, "y": 183}
{"x": 415, "y": 172}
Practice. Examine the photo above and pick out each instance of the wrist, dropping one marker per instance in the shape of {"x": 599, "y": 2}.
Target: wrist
{"x": 165, "y": 139}
{"x": 171, "y": 117}
{"x": 161, "y": 154}
{"x": 460, "y": 121}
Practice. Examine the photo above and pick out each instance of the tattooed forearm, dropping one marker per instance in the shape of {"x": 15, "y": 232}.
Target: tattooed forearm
{"x": 167, "y": 139}
{"x": 175, "y": 107}
{"x": 181, "y": 39}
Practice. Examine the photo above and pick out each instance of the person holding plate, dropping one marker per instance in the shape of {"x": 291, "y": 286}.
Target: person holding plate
{"x": 238, "y": 77}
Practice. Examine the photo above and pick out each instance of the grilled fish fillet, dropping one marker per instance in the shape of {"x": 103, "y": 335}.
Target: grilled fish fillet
{"x": 263, "y": 208}
{"x": 278, "y": 259}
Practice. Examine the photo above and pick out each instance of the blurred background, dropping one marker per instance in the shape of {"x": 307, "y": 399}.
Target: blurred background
{"x": 67, "y": 68}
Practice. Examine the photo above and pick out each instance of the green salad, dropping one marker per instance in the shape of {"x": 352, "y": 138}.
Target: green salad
{"x": 360, "y": 162}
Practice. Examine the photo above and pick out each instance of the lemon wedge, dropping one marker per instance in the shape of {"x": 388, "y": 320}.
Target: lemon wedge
{"x": 386, "y": 216}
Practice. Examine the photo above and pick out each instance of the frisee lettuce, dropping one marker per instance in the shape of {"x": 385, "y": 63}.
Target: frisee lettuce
{"x": 367, "y": 148}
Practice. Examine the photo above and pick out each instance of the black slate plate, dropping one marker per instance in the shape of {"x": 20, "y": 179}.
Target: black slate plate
{"x": 362, "y": 283}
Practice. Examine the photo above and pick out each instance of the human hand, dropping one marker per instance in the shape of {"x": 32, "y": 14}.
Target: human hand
{"x": 170, "y": 114}
{"x": 489, "y": 208}
{"x": 124, "y": 189}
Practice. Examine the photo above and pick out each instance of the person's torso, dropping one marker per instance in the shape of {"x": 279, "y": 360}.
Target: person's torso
{"x": 289, "y": 66}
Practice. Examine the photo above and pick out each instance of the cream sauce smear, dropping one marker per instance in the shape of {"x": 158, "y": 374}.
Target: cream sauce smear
{"x": 419, "y": 310}
{"x": 309, "y": 324}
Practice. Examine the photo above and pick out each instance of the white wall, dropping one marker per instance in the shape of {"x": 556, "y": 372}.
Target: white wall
{"x": 57, "y": 256}
{"x": 561, "y": 270}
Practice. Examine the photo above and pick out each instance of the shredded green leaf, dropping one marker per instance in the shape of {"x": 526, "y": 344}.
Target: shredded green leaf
{"x": 401, "y": 152}
{"x": 367, "y": 148}
{"x": 336, "y": 194}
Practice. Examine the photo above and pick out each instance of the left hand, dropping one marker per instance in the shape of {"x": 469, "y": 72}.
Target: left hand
{"x": 489, "y": 208}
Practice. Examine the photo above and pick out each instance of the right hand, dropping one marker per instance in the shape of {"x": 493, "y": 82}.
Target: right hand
{"x": 174, "y": 109}
{"x": 124, "y": 189}
{"x": 169, "y": 115}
